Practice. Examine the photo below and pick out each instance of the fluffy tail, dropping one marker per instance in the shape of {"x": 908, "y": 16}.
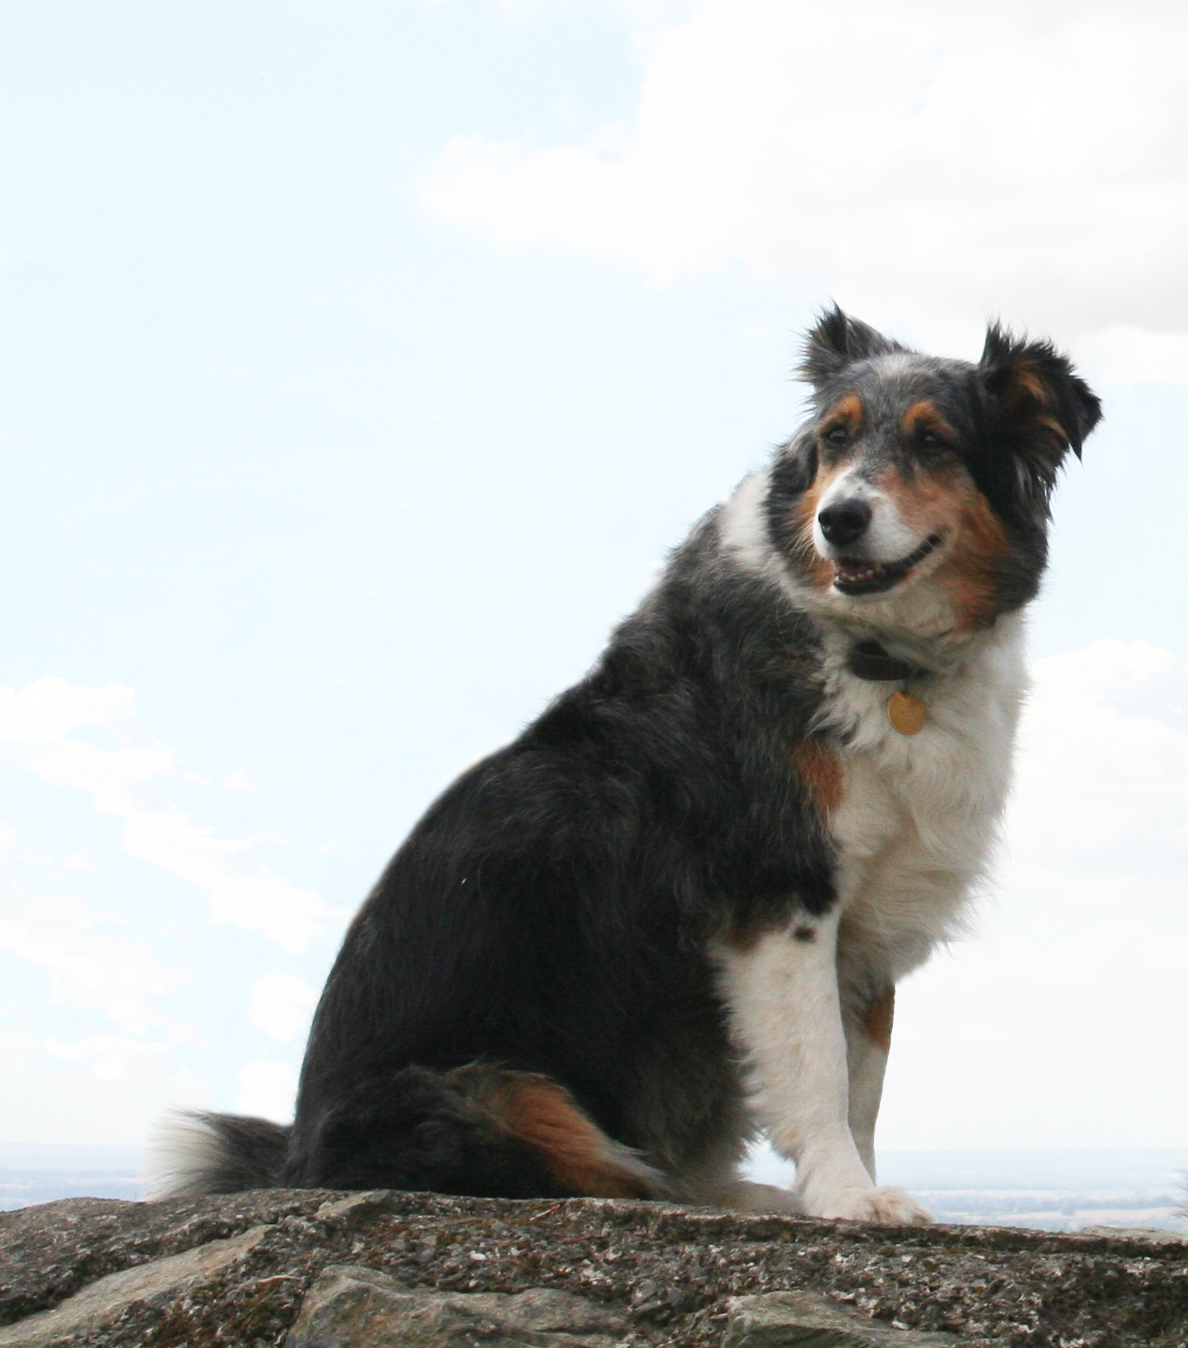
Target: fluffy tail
{"x": 479, "y": 1130}
{"x": 195, "y": 1153}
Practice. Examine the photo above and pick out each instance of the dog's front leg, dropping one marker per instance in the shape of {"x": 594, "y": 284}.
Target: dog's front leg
{"x": 785, "y": 1010}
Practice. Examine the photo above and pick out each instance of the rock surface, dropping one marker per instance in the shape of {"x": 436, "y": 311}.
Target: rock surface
{"x": 776, "y": 1319}
{"x": 306, "y": 1269}
{"x": 100, "y": 1304}
{"x": 359, "y": 1305}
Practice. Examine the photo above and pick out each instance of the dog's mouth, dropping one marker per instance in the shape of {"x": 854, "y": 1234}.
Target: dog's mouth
{"x": 855, "y": 577}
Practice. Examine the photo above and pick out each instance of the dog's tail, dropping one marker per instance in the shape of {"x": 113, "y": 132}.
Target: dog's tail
{"x": 480, "y": 1130}
{"x": 194, "y": 1152}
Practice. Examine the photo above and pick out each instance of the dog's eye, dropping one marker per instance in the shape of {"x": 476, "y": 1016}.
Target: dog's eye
{"x": 836, "y": 435}
{"x": 933, "y": 440}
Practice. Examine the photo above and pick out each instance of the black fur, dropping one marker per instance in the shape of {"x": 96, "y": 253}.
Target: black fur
{"x": 837, "y": 342}
{"x": 550, "y": 913}
{"x": 415, "y": 1128}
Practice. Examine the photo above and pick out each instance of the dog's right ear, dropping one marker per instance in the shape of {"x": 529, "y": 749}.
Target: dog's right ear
{"x": 837, "y": 341}
{"x": 1047, "y": 408}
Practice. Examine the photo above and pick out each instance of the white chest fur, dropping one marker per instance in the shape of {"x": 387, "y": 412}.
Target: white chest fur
{"x": 919, "y": 815}
{"x": 919, "y": 818}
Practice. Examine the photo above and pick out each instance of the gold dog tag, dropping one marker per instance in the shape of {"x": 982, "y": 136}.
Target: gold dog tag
{"x": 906, "y": 713}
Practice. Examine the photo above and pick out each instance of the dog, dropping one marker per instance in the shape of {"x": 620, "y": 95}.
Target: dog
{"x": 671, "y": 915}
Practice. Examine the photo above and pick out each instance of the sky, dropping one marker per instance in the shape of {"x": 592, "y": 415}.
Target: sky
{"x": 360, "y": 363}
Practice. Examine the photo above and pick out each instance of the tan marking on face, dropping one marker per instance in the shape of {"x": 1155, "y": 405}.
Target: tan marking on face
{"x": 877, "y": 1018}
{"x": 820, "y": 570}
{"x": 945, "y": 501}
{"x": 822, "y": 775}
{"x": 924, "y": 416}
{"x": 972, "y": 569}
{"x": 847, "y": 411}
{"x": 544, "y": 1116}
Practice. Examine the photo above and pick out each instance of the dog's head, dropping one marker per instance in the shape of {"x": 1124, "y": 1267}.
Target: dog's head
{"x": 925, "y": 478}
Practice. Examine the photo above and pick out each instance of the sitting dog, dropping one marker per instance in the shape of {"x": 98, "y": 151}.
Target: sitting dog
{"x": 671, "y": 915}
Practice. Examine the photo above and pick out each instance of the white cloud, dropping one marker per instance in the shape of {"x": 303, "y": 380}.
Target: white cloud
{"x": 1061, "y": 1024}
{"x": 61, "y": 935}
{"x": 35, "y": 726}
{"x": 107, "y": 1088}
{"x": 46, "y": 711}
{"x": 926, "y": 163}
{"x": 86, "y": 969}
{"x": 1103, "y": 772}
{"x": 267, "y": 1090}
{"x": 282, "y": 1006}
{"x": 1130, "y": 355}
{"x": 110, "y": 1086}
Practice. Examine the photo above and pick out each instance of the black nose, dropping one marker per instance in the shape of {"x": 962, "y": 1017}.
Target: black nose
{"x": 844, "y": 522}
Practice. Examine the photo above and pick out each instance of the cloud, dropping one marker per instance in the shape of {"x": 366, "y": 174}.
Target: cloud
{"x": 1061, "y": 1023}
{"x": 46, "y": 711}
{"x": 61, "y": 935}
{"x": 1130, "y": 355}
{"x": 1103, "y": 770}
{"x": 267, "y": 1090}
{"x": 103, "y": 1088}
{"x": 87, "y": 970}
{"x": 109, "y": 1086}
{"x": 282, "y": 1006}
{"x": 35, "y": 727}
{"x": 925, "y": 162}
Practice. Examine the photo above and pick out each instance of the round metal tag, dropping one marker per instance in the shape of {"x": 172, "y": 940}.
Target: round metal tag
{"x": 906, "y": 713}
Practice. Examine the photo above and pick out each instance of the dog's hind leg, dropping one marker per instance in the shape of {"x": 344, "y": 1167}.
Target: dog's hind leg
{"x": 480, "y": 1130}
{"x": 750, "y": 1196}
{"x": 713, "y": 1178}
{"x": 868, "y": 1041}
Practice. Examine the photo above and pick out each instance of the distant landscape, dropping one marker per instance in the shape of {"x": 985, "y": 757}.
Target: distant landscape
{"x": 1043, "y": 1190}
{"x": 1056, "y": 1190}
{"x": 34, "y": 1173}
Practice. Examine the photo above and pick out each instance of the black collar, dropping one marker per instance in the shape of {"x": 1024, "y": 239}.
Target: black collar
{"x": 868, "y": 660}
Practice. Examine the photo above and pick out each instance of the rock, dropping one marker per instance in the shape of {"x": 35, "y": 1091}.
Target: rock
{"x": 808, "y": 1320}
{"x": 103, "y": 1303}
{"x": 264, "y": 1269}
{"x": 353, "y": 1307}
{"x": 48, "y": 1251}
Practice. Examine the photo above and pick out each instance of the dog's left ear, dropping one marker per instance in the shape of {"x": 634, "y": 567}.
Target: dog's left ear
{"x": 1047, "y": 408}
{"x": 838, "y": 340}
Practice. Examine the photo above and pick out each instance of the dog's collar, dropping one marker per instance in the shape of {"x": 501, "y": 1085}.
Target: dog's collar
{"x": 905, "y": 711}
{"x": 868, "y": 660}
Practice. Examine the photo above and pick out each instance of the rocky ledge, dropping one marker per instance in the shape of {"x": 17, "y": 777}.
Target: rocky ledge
{"x": 310, "y": 1269}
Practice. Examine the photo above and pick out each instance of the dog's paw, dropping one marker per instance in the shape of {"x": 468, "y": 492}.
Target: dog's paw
{"x": 888, "y": 1205}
